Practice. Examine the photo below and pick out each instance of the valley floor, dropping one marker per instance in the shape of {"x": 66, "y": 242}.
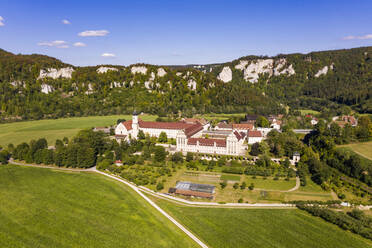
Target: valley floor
{"x": 53, "y": 208}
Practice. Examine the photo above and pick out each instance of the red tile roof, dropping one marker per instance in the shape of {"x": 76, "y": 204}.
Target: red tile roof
{"x": 190, "y": 131}
{"x": 128, "y": 125}
{"x": 240, "y": 135}
{"x": 243, "y": 126}
{"x": 207, "y": 142}
{"x": 254, "y": 134}
{"x": 195, "y": 120}
{"x": 224, "y": 125}
{"x": 190, "y": 128}
{"x": 164, "y": 125}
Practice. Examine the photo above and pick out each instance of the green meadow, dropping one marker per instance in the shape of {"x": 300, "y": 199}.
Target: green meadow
{"x": 252, "y": 228}
{"x": 363, "y": 148}
{"x": 18, "y": 132}
{"x": 50, "y": 208}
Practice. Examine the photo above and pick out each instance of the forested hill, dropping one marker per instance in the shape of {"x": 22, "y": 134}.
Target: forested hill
{"x": 38, "y": 86}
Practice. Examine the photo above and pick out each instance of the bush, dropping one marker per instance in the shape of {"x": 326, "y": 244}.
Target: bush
{"x": 243, "y": 185}
{"x": 251, "y": 187}
{"x": 189, "y": 156}
{"x": 236, "y": 185}
{"x": 240, "y": 200}
{"x": 159, "y": 186}
{"x": 223, "y": 184}
{"x": 163, "y": 137}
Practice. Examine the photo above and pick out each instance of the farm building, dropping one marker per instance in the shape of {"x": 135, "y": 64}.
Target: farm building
{"x": 193, "y": 189}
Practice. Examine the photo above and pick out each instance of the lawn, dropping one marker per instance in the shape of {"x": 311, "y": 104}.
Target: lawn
{"x": 219, "y": 117}
{"x": 251, "y": 228}
{"x": 227, "y": 177}
{"x": 50, "y": 208}
{"x": 364, "y": 149}
{"x": 25, "y": 131}
{"x": 270, "y": 183}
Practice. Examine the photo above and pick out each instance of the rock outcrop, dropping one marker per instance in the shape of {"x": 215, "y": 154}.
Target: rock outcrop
{"x": 104, "y": 69}
{"x": 56, "y": 73}
{"x": 253, "y": 69}
{"x": 161, "y": 72}
{"x": 225, "y": 75}
{"x": 139, "y": 69}
{"x": 191, "y": 84}
{"x": 323, "y": 71}
{"x": 46, "y": 88}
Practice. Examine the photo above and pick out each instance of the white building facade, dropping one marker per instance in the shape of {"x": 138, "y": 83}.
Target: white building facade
{"x": 232, "y": 145}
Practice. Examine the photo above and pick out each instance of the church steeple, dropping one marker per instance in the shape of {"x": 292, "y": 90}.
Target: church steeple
{"x": 135, "y": 125}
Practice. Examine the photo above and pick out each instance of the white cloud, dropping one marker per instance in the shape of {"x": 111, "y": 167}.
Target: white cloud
{"x": 66, "y": 21}
{"x": 108, "y": 55}
{"x": 93, "y": 33}
{"x": 363, "y": 37}
{"x": 56, "y": 43}
{"x": 1, "y": 21}
{"x": 79, "y": 44}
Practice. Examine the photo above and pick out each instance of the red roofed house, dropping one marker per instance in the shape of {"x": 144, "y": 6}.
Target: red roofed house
{"x": 154, "y": 128}
{"x": 254, "y": 137}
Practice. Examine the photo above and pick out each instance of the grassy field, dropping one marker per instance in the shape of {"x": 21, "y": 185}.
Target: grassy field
{"x": 227, "y": 177}
{"x": 265, "y": 191}
{"x": 309, "y": 112}
{"x": 364, "y": 149}
{"x": 213, "y": 116}
{"x": 251, "y": 228}
{"x": 19, "y": 132}
{"x": 49, "y": 208}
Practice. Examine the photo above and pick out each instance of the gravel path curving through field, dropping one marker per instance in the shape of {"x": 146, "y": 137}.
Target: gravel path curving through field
{"x": 298, "y": 183}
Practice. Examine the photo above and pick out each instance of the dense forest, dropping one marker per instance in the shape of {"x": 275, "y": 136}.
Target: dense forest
{"x": 327, "y": 81}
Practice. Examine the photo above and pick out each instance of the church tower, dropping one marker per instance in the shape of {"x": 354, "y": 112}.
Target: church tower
{"x": 135, "y": 125}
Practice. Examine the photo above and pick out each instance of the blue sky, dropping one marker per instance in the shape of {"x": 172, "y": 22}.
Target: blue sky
{"x": 180, "y": 32}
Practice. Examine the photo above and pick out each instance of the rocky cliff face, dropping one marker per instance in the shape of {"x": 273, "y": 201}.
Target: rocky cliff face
{"x": 56, "y": 73}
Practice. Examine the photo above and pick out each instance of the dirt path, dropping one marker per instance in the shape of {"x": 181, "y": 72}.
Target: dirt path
{"x": 298, "y": 183}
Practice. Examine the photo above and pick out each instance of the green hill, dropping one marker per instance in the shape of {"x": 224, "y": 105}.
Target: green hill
{"x": 37, "y": 86}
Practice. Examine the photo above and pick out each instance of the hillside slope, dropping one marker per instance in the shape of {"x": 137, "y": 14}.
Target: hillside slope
{"x": 37, "y": 86}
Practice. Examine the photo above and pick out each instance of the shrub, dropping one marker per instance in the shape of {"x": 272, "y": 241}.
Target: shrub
{"x": 243, "y": 185}
{"x": 159, "y": 186}
{"x": 236, "y": 185}
{"x": 251, "y": 187}
{"x": 223, "y": 184}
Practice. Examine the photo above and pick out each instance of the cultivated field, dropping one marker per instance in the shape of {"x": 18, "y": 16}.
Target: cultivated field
{"x": 364, "y": 149}
{"x": 19, "y": 132}
{"x": 251, "y": 228}
{"x": 49, "y": 208}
